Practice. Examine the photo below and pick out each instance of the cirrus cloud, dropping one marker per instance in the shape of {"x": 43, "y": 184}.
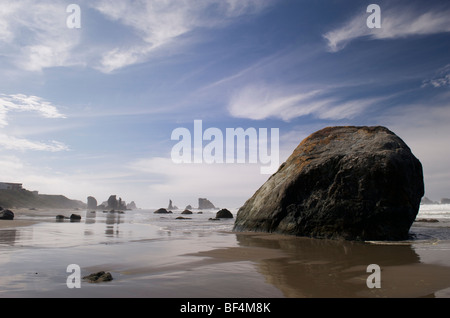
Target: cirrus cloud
{"x": 24, "y": 103}
{"x": 262, "y": 101}
{"x": 397, "y": 22}
{"x": 158, "y": 24}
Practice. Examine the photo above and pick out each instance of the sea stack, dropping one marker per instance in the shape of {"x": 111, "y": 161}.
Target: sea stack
{"x": 91, "y": 203}
{"x": 353, "y": 183}
{"x": 204, "y": 204}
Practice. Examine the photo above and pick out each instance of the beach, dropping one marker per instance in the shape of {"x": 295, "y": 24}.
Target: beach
{"x": 159, "y": 256}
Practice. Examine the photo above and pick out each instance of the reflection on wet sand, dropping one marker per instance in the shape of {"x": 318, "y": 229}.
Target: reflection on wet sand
{"x": 112, "y": 224}
{"x": 8, "y": 236}
{"x": 304, "y": 267}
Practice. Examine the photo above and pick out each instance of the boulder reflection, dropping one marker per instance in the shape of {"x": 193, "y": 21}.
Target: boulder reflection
{"x": 329, "y": 268}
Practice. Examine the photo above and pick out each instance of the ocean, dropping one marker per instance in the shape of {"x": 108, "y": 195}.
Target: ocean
{"x": 437, "y": 211}
{"x": 157, "y": 255}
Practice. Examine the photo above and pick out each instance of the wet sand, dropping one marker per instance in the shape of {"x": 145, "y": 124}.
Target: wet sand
{"x": 5, "y": 224}
{"x": 148, "y": 262}
{"x": 304, "y": 267}
{"x": 26, "y": 217}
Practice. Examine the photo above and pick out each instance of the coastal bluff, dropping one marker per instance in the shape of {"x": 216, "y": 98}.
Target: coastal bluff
{"x": 346, "y": 182}
{"x": 27, "y": 199}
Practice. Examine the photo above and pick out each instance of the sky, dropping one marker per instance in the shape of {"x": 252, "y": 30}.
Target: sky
{"x": 90, "y": 94}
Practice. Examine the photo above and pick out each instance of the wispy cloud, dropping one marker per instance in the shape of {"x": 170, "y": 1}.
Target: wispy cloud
{"x": 261, "y": 101}
{"x": 34, "y": 35}
{"x": 397, "y": 22}
{"x": 24, "y": 103}
{"x": 441, "y": 79}
{"x": 13, "y": 143}
{"x": 158, "y": 23}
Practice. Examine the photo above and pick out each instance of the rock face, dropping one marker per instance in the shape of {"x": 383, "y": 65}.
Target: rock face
{"x": 91, "y": 203}
{"x": 205, "y": 204}
{"x": 354, "y": 183}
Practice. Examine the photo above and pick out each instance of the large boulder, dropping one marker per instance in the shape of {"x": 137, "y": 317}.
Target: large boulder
{"x": 354, "y": 183}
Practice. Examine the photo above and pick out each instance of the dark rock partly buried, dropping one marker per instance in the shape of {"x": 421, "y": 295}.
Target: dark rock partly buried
{"x": 186, "y": 212}
{"x": 162, "y": 211}
{"x": 354, "y": 183}
{"x": 72, "y": 218}
{"x": 182, "y": 218}
{"x": 75, "y": 217}
{"x": 224, "y": 214}
{"x": 6, "y": 215}
{"x": 99, "y": 277}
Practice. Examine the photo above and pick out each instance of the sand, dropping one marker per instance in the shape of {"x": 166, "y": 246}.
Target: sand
{"x": 218, "y": 264}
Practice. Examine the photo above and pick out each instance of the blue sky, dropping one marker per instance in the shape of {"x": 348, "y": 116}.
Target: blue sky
{"x": 90, "y": 111}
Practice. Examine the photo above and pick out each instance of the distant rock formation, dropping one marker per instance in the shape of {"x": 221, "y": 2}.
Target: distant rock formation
{"x": 172, "y": 207}
{"x": 204, "y": 204}
{"x": 186, "y": 212}
{"x": 426, "y": 200}
{"x": 188, "y": 207}
{"x": 91, "y": 203}
{"x": 112, "y": 202}
{"x": 131, "y": 206}
{"x": 445, "y": 201}
{"x": 354, "y": 183}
